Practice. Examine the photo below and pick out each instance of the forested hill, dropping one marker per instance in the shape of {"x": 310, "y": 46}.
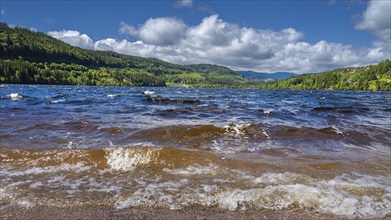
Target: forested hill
{"x": 376, "y": 77}
{"x": 36, "y": 58}
{"x": 212, "y": 69}
{"x": 266, "y": 76}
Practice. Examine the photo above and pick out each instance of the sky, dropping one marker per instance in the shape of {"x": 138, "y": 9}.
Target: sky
{"x": 260, "y": 35}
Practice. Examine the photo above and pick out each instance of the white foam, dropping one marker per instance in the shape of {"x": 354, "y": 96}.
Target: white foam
{"x": 149, "y": 92}
{"x": 265, "y": 133}
{"x": 155, "y": 195}
{"x": 15, "y": 96}
{"x": 126, "y": 159}
{"x": 282, "y": 178}
{"x": 24, "y": 203}
{"x": 194, "y": 170}
{"x": 113, "y": 95}
{"x": 236, "y": 129}
{"x": 323, "y": 200}
{"x": 14, "y": 198}
{"x": 345, "y": 195}
{"x": 336, "y": 130}
{"x": 57, "y": 101}
{"x": 79, "y": 167}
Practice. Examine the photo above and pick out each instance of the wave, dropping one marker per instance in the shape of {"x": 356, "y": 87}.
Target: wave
{"x": 113, "y": 95}
{"x": 341, "y": 109}
{"x": 147, "y": 92}
{"x": 15, "y": 96}
{"x": 169, "y": 177}
{"x": 85, "y": 101}
{"x": 115, "y": 158}
{"x": 237, "y": 135}
{"x": 162, "y": 100}
{"x": 198, "y": 135}
{"x": 346, "y": 195}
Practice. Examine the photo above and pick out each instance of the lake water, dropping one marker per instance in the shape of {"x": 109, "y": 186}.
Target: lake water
{"x": 243, "y": 150}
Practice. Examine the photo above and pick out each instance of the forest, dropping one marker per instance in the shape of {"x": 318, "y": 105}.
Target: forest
{"x": 28, "y": 57}
{"x": 376, "y": 77}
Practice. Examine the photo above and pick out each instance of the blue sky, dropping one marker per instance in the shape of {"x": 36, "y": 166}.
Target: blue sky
{"x": 266, "y": 36}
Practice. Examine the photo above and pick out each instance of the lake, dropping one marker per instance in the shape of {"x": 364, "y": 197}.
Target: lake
{"x": 235, "y": 150}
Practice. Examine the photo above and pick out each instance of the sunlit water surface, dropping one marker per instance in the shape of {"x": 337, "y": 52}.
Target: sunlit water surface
{"x": 234, "y": 149}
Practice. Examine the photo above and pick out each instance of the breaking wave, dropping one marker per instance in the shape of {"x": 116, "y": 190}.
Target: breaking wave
{"x": 173, "y": 178}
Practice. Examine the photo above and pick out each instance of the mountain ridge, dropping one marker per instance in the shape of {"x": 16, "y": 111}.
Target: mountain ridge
{"x": 266, "y": 76}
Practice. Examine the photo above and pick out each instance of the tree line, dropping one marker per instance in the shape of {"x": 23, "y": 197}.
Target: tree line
{"x": 375, "y": 77}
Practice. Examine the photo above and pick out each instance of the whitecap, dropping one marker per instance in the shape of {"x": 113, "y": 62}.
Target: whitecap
{"x": 194, "y": 170}
{"x": 113, "y": 95}
{"x": 236, "y": 129}
{"x": 15, "y": 96}
{"x": 126, "y": 159}
{"x": 149, "y": 92}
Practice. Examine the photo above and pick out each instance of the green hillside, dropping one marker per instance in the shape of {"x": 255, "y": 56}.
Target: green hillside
{"x": 376, "y": 77}
{"x": 35, "y": 58}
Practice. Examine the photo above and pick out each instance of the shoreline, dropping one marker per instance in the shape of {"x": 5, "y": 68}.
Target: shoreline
{"x": 210, "y": 213}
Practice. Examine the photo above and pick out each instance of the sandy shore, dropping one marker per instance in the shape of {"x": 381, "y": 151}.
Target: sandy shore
{"x": 44, "y": 212}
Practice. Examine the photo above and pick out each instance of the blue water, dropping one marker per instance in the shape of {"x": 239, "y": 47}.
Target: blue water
{"x": 101, "y": 108}
{"x": 164, "y": 147}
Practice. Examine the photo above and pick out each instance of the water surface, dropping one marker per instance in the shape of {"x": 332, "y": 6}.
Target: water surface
{"x": 172, "y": 148}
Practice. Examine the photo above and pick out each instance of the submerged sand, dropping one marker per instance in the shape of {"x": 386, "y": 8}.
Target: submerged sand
{"x": 45, "y": 212}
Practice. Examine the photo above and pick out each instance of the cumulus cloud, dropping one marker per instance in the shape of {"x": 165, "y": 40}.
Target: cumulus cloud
{"x": 74, "y": 38}
{"x": 157, "y": 31}
{"x": 126, "y": 29}
{"x": 184, "y": 3}
{"x": 377, "y": 20}
{"x": 216, "y": 41}
{"x": 162, "y": 31}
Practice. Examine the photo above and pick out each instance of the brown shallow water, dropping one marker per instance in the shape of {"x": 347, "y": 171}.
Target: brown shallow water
{"x": 116, "y": 153}
{"x": 47, "y": 212}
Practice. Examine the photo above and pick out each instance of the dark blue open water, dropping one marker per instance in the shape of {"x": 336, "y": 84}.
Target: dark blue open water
{"x": 234, "y": 149}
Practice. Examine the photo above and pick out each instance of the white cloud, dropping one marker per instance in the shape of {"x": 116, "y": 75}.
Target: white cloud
{"x": 240, "y": 48}
{"x": 157, "y": 31}
{"x": 162, "y": 31}
{"x": 377, "y": 16}
{"x": 137, "y": 48}
{"x": 73, "y": 38}
{"x": 2, "y": 12}
{"x": 377, "y": 20}
{"x": 184, "y": 3}
{"x": 125, "y": 29}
